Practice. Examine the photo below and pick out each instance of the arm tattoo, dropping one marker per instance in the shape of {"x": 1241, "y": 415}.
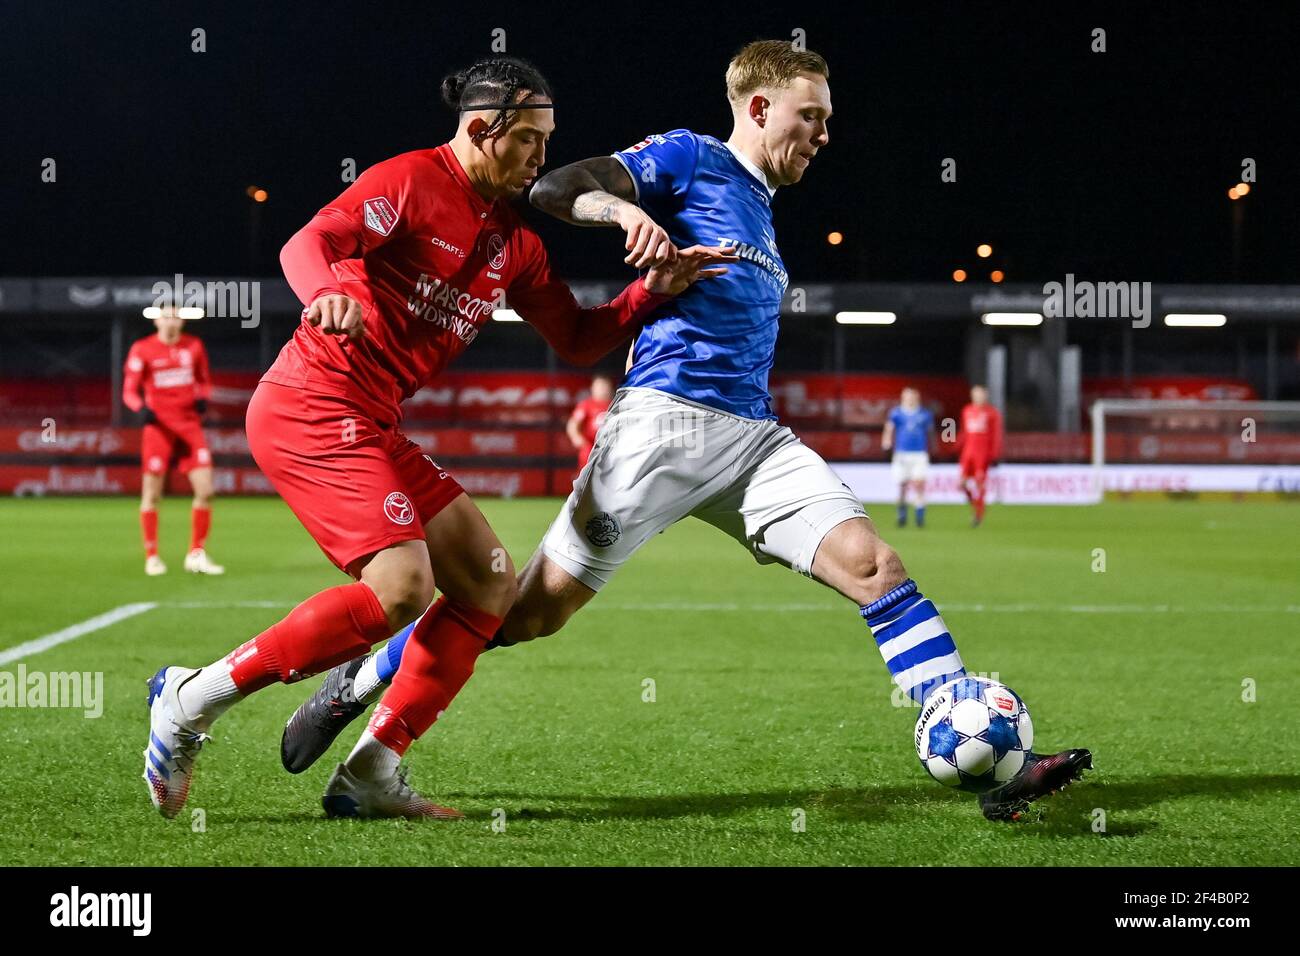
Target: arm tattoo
{"x": 596, "y": 206}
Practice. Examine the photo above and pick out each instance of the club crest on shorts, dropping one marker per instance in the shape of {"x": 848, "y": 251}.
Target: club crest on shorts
{"x": 399, "y": 509}
{"x": 603, "y": 529}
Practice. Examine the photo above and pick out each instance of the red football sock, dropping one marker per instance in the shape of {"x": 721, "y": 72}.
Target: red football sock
{"x": 327, "y": 629}
{"x": 200, "y": 522}
{"x": 437, "y": 661}
{"x": 979, "y": 500}
{"x": 149, "y": 529}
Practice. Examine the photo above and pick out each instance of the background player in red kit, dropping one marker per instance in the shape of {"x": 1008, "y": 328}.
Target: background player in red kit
{"x": 401, "y": 272}
{"x": 166, "y": 379}
{"x": 980, "y": 439}
{"x": 587, "y": 417}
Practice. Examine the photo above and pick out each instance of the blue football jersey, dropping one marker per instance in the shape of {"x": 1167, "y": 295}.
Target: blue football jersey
{"x": 911, "y": 429}
{"x": 714, "y": 343}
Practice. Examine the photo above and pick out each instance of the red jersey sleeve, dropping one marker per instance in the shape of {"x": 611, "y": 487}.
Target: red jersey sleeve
{"x": 202, "y": 374}
{"x": 133, "y": 379}
{"x": 363, "y": 217}
{"x": 579, "y": 336}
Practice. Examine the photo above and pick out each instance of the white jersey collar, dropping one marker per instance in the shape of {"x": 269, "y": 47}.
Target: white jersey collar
{"x": 753, "y": 170}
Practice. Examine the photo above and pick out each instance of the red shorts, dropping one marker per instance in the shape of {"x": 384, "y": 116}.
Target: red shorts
{"x": 974, "y": 466}
{"x": 179, "y": 444}
{"x": 358, "y": 487}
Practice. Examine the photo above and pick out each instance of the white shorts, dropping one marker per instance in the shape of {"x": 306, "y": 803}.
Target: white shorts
{"x": 909, "y": 466}
{"x": 659, "y": 458}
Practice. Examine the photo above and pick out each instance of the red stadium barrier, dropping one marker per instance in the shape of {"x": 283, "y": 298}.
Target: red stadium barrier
{"x": 501, "y": 433}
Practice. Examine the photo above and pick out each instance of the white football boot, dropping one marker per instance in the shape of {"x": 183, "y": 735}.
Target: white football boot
{"x": 198, "y": 562}
{"x": 153, "y": 566}
{"x": 347, "y": 795}
{"x": 173, "y": 743}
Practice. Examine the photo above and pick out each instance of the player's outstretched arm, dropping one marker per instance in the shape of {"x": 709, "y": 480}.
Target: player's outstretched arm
{"x": 599, "y": 192}
{"x": 582, "y": 336}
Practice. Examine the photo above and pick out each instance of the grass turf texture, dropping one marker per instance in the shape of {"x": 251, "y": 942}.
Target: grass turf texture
{"x": 770, "y": 698}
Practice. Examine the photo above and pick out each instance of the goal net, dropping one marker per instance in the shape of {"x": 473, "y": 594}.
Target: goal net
{"x": 1196, "y": 445}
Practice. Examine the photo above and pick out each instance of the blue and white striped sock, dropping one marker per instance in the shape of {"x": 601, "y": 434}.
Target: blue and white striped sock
{"x": 377, "y": 672}
{"x": 387, "y": 660}
{"x": 913, "y": 640}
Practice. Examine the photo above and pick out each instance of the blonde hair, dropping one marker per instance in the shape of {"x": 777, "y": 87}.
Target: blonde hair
{"x": 771, "y": 64}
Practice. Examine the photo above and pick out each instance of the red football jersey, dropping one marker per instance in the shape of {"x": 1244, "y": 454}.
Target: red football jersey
{"x": 981, "y": 431}
{"x": 166, "y": 378}
{"x": 429, "y": 260}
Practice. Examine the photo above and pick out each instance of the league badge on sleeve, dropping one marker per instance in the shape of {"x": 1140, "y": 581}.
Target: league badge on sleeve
{"x": 380, "y": 215}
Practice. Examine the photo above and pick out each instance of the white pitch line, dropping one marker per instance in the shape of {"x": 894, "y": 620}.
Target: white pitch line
{"x": 708, "y": 606}
{"x": 98, "y": 622}
{"x": 108, "y": 618}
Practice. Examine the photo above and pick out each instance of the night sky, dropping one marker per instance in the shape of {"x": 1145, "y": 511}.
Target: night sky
{"x": 1112, "y": 165}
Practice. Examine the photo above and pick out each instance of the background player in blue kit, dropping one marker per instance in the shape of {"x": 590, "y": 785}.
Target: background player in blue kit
{"x": 691, "y": 432}
{"x": 908, "y": 431}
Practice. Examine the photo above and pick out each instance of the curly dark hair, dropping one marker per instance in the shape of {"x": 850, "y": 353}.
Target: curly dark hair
{"x": 493, "y": 82}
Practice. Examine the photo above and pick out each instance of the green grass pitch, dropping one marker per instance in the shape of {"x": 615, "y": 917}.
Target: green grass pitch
{"x": 771, "y": 704}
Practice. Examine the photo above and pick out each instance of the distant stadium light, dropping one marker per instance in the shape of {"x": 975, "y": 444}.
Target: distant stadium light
{"x": 835, "y": 238}
{"x": 1233, "y": 194}
{"x": 984, "y": 250}
{"x": 506, "y": 315}
{"x": 1012, "y": 318}
{"x": 959, "y": 275}
{"x": 866, "y": 318}
{"x": 259, "y": 195}
{"x": 1243, "y": 189}
{"x": 1192, "y": 320}
{"x": 997, "y": 275}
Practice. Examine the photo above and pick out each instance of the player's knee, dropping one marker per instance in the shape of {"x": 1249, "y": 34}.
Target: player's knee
{"x": 535, "y": 614}
{"x": 551, "y": 619}
{"x": 498, "y": 593}
{"x": 875, "y": 569}
{"x": 405, "y": 592}
{"x": 890, "y": 572}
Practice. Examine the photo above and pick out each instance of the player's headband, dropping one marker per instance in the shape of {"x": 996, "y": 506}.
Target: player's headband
{"x": 508, "y": 106}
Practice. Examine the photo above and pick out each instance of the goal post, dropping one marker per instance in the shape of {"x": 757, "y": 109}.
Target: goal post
{"x": 1241, "y": 445}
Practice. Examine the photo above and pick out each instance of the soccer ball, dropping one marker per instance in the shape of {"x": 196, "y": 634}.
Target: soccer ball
{"x": 973, "y": 733}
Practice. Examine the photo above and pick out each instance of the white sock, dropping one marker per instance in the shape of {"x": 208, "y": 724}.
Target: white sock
{"x": 372, "y": 760}
{"x": 208, "y": 694}
{"x": 366, "y": 686}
